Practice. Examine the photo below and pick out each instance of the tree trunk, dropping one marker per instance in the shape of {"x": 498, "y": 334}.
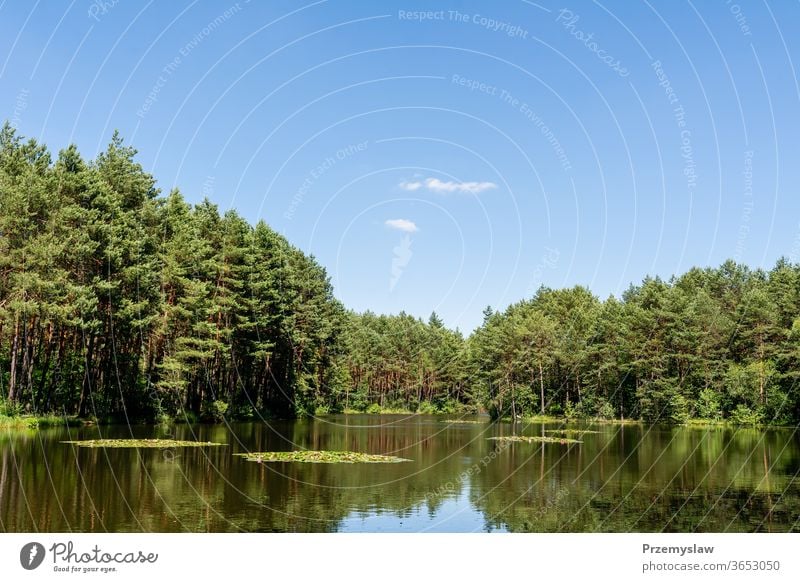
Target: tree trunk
{"x": 48, "y": 353}
{"x": 12, "y": 383}
{"x": 541, "y": 386}
{"x": 87, "y": 377}
{"x": 761, "y": 371}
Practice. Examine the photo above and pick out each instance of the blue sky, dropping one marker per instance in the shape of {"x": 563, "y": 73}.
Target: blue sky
{"x": 442, "y": 155}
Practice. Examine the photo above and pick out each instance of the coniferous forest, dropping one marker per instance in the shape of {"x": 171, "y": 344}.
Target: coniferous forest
{"x": 119, "y": 301}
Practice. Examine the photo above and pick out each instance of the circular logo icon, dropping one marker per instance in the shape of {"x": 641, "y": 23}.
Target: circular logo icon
{"x": 31, "y": 555}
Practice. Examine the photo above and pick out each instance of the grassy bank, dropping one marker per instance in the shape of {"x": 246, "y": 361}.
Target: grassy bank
{"x": 34, "y": 422}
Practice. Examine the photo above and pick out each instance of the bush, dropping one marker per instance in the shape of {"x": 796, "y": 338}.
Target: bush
{"x": 373, "y": 408}
{"x": 216, "y": 412}
{"x": 590, "y": 407}
{"x": 426, "y": 407}
{"x": 777, "y": 408}
{"x": 163, "y": 418}
{"x": 187, "y": 416}
{"x": 10, "y": 408}
{"x": 708, "y": 405}
{"x": 605, "y": 410}
{"x": 572, "y": 412}
{"x": 661, "y": 401}
{"x": 746, "y": 415}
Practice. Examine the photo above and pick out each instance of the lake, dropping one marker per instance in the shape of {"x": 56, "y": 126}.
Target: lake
{"x": 620, "y": 478}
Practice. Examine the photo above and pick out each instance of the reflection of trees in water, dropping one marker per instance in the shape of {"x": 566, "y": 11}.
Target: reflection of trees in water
{"x": 309, "y": 497}
{"x": 205, "y": 490}
{"x": 621, "y": 479}
{"x": 676, "y": 479}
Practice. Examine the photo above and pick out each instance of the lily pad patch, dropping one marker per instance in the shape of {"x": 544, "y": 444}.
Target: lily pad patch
{"x": 140, "y": 443}
{"x": 536, "y": 439}
{"x": 319, "y": 457}
{"x": 571, "y": 431}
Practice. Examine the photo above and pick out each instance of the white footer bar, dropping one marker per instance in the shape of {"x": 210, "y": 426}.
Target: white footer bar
{"x": 407, "y": 557}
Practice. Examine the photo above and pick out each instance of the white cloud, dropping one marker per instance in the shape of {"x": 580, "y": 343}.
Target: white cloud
{"x": 401, "y": 224}
{"x": 411, "y": 185}
{"x": 436, "y": 185}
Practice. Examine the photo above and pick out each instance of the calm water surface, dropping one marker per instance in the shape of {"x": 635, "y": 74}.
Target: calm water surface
{"x": 622, "y": 478}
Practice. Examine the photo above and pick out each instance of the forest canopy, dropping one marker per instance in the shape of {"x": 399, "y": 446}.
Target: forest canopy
{"x": 117, "y": 301}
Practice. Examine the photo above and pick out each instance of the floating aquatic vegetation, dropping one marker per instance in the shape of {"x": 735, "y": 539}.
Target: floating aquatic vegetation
{"x": 535, "y": 439}
{"x": 140, "y": 443}
{"x": 570, "y": 431}
{"x": 319, "y": 457}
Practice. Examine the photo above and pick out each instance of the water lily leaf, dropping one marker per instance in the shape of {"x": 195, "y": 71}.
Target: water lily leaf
{"x": 140, "y": 443}
{"x": 319, "y": 457}
{"x": 536, "y": 439}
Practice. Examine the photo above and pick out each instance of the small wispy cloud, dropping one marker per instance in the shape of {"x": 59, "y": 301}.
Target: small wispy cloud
{"x": 401, "y": 224}
{"x": 436, "y": 185}
{"x": 411, "y": 186}
{"x": 401, "y": 256}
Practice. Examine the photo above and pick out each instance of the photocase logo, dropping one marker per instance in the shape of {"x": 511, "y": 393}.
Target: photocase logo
{"x": 31, "y": 555}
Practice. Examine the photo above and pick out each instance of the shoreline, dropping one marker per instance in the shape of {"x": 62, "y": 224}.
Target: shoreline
{"x": 34, "y": 422}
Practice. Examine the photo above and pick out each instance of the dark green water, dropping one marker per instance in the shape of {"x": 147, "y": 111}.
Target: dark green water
{"x": 623, "y": 478}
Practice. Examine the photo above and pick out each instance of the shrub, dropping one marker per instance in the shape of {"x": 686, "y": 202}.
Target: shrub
{"x": 661, "y": 401}
{"x": 426, "y": 407}
{"x": 708, "y": 405}
{"x": 10, "y": 408}
{"x": 605, "y": 410}
{"x": 163, "y": 418}
{"x": 186, "y": 416}
{"x": 571, "y": 411}
{"x": 746, "y": 415}
{"x": 217, "y": 410}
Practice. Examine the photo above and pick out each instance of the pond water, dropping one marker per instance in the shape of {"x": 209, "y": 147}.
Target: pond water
{"x": 620, "y": 478}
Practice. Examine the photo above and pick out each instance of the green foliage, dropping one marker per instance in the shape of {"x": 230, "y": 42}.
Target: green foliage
{"x": 605, "y": 410}
{"x": 19, "y": 422}
{"x": 34, "y": 422}
{"x": 215, "y": 411}
{"x": 118, "y": 302}
{"x": 699, "y": 345}
{"x": 572, "y": 411}
{"x": 186, "y": 417}
{"x": 745, "y": 415}
{"x": 661, "y": 401}
{"x": 708, "y": 405}
{"x": 404, "y": 363}
{"x": 10, "y": 408}
{"x": 426, "y": 407}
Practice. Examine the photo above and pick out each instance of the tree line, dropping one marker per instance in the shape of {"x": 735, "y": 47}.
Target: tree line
{"x": 714, "y": 343}
{"x": 117, "y": 301}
